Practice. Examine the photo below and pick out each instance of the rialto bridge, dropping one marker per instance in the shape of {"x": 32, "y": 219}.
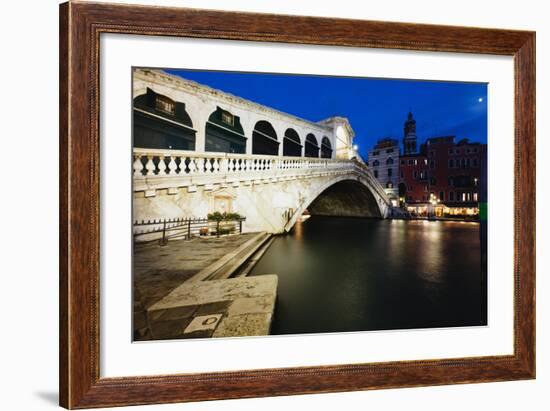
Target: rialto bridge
{"x": 198, "y": 150}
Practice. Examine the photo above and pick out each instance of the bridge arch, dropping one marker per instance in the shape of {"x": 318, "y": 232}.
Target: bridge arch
{"x": 264, "y": 139}
{"x": 292, "y": 145}
{"x": 344, "y": 191}
{"x": 161, "y": 122}
{"x": 224, "y": 133}
{"x": 326, "y": 148}
{"x": 311, "y": 146}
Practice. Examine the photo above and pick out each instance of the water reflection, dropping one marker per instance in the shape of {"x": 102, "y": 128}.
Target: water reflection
{"x": 342, "y": 274}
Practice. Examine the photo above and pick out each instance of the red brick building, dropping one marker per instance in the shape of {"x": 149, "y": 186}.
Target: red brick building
{"x": 443, "y": 178}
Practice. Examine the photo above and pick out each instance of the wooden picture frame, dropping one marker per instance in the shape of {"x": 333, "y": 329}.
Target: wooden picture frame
{"x": 80, "y": 27}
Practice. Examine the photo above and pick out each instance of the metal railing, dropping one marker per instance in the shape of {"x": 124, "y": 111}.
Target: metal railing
{"x": 184, "y": 228}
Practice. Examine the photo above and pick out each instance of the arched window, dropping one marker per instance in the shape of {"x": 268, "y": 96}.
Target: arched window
{"x": 326, "y": 148}
{"x": 224, "y": 133}
{"x": 389, "y": 184}
{"x": 312, "y": 147}
{"x": 291, "y": 143}
{"x": 160, "y": 122}
{"x": 389, "y": 161}
{"x": 264, "y": 139}
{"x": 375, "y": 163}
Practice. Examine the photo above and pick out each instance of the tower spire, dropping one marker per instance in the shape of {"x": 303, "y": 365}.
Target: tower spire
{"x": 409, "y": 134}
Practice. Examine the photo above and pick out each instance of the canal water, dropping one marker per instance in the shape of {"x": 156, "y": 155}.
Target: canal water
{"x": 350, "y": 274}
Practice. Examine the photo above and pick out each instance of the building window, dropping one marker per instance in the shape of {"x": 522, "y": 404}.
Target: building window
{"x": 425, "y": 161}
{"x": 410, "y": 162}
{"x": 165, "y": 105}
{"x": 228, "y": 118}
{"x": 441, "y": 196}
{"x": 389, "y": 150}
{"x": 426, "y": 187}
{"x": 432, "y": 153}
{"x": 475, "y": 197}
{"x": 415, "y": 162}
{"x": 415, "y": 174}
{"x": 475, "y": 181}
{"x": 401, "y": 173}
{"x": 451, "y": 181}
{"x": 390, "y": 172}
{"x": 389, "y": 161}
{"x": 376, "y": 163}
{"x": 375, "y": 153}
{"x": 409, "y": 198}
{"x": 463, "y": 197}
{"x": 475, "y": 162}
{"x": 389, "y": 184}
{"x": 451, "y": 196}
{"x": 451, "y": 151}
{"x": 467, "y": 163}
{"x": 376, "y": 173}
{"x": 432, "y": 164}
{"x": 402, "y": 162}
{"x": 451, "y": 163}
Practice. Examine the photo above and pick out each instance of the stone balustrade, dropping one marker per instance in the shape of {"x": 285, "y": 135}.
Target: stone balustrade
{"x": 149, "y": 162}
{"x": 157, "y": 169}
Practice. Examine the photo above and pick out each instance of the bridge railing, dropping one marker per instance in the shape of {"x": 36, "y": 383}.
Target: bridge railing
{"x": 151, "y": 165}
{"x": 149, "y": 162}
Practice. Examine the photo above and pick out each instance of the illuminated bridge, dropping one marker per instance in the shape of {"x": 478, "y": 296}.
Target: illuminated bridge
{"x": 198, "y": 150}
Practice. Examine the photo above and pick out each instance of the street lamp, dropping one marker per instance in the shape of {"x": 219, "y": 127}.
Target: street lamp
{"x": 355, "y": 147}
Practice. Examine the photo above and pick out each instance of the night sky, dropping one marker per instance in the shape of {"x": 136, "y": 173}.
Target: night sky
{"x": 376, "y": 108}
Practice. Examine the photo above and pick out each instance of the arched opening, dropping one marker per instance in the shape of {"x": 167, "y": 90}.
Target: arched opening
{"x": 312, "y": 147}
{"x": 347, "y": 198}
{"x": 224, "y": 133}
{"x": 160, "y": 122}
{"x": 264, "y": 139}
{"x": 389, "y": 161}
{"x": 326, "y": 148}
{"x": 291, "y": 143}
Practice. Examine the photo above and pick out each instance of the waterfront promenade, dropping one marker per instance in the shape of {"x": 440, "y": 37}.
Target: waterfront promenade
{"x": 181, "y": 290}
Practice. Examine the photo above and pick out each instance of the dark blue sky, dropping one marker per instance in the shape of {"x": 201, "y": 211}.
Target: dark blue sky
{"x": 376, "y": 108}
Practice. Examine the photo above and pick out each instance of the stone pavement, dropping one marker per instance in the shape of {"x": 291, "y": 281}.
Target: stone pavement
{"x": 234, "y": 307}
{"x": 159, "y": 270}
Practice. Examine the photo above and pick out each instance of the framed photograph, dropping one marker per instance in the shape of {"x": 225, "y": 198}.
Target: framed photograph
{"x": 259, "y": 205}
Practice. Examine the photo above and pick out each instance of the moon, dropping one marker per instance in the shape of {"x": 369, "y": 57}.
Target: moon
{"x": 480, "y": 99}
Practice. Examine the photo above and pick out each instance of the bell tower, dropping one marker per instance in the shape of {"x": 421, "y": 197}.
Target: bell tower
{"x": 409, "y": 135}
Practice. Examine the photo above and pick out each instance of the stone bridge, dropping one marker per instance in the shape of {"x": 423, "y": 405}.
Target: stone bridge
{"x": 272, "y": 192}
{"x": 198, "y": 150}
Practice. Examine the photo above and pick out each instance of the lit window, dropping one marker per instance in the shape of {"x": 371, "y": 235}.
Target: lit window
{"x": 228, "y": 118}
{"x": 475, "y": 197}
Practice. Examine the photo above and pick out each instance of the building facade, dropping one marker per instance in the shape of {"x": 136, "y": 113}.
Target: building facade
{"x": 443, "y": 178}
{"x": 384, "y": 162}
